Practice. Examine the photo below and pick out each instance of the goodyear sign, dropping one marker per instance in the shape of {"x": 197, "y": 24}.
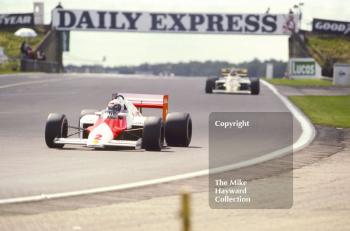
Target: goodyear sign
{"x": 63, "y": 19}
{"x": 16, "y": 20}
{"x": 331, "y": 27}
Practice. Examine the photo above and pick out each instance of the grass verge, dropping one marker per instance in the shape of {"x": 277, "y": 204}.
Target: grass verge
{"x": 325, "y": 110}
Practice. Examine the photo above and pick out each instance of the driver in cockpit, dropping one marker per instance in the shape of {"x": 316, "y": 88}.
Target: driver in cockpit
{"x": 116, "y": 106}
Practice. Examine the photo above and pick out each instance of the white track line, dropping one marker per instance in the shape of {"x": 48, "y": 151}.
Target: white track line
{"x": 29, "y": 83}
{"x": 308, "y": 134}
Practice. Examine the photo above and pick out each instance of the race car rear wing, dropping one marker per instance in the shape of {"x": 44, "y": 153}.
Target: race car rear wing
{"x": 242, "y": 72}
{"x": 225, "y": 71}
{"x": 148, "y": 101}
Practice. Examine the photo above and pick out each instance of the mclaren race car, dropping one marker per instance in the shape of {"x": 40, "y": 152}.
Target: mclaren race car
{"x": 121, "y": 124}
{"x": 233, "y": 81}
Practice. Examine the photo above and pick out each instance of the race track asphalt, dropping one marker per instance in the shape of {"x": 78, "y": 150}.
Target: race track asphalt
{"x": 29, "y": 168}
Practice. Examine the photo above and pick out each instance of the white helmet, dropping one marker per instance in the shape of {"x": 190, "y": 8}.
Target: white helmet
{"x": 116, "y": 105}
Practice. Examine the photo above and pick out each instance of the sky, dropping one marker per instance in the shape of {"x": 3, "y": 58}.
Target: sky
{"x": 123, "y": 48}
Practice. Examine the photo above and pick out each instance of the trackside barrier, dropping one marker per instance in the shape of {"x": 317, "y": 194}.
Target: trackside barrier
{"x": 39, "y": 66}
{"x": 185, "y": 212}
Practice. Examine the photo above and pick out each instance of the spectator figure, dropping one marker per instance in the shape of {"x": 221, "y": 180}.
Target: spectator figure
{"x": 40, "y": 55}
{"x": 26, "y": 50}
{"x": 24, "y": 47}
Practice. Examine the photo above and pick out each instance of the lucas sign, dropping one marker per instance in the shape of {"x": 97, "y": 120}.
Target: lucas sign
{"x": 304, "y": 68}
{"x": 174, "y": 22}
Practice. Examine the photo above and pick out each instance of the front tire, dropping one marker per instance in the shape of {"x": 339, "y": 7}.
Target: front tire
{"x": 209, "y": 85}
{"x": 255, "y": 86}
{"x": 56, "y": 127}
{"x": 153, "y": 134}
{"x": 178, "y": 129}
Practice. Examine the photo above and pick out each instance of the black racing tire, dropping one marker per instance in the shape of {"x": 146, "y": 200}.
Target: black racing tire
{"x": 56, "y": 127}
{"x": 153, "y": 134}
{"x": 210, "y": 85}
{"x": 255, "y": 86}
{"x": 178, "y": 129}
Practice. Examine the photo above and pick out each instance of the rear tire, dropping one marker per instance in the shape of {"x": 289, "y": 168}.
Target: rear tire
{"x": 153, "y": 134}
{"x": 56, "y": 127}
{"x": 255, "y": 86}
{"x": 178, "y": 129}
{"x": 210, "y": 85}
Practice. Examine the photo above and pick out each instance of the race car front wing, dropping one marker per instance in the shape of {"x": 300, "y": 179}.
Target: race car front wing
{"x": 113, "y": 143}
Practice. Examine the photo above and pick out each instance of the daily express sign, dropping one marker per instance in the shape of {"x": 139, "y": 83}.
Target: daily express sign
{"x": 281, "y": 24}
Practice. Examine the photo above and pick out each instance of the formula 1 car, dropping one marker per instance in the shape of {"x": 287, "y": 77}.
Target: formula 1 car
{"x": 121, "y": 124}
{"x": 234, "y": 81}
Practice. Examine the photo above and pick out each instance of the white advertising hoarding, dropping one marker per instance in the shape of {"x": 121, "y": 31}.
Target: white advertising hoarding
{"x": 269, "y": 70}
{"x": 341, "y": 74}
{"x": 279, "y": 24}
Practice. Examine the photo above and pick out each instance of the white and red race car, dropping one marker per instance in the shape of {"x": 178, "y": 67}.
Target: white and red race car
{"x": 122, "y": 124}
